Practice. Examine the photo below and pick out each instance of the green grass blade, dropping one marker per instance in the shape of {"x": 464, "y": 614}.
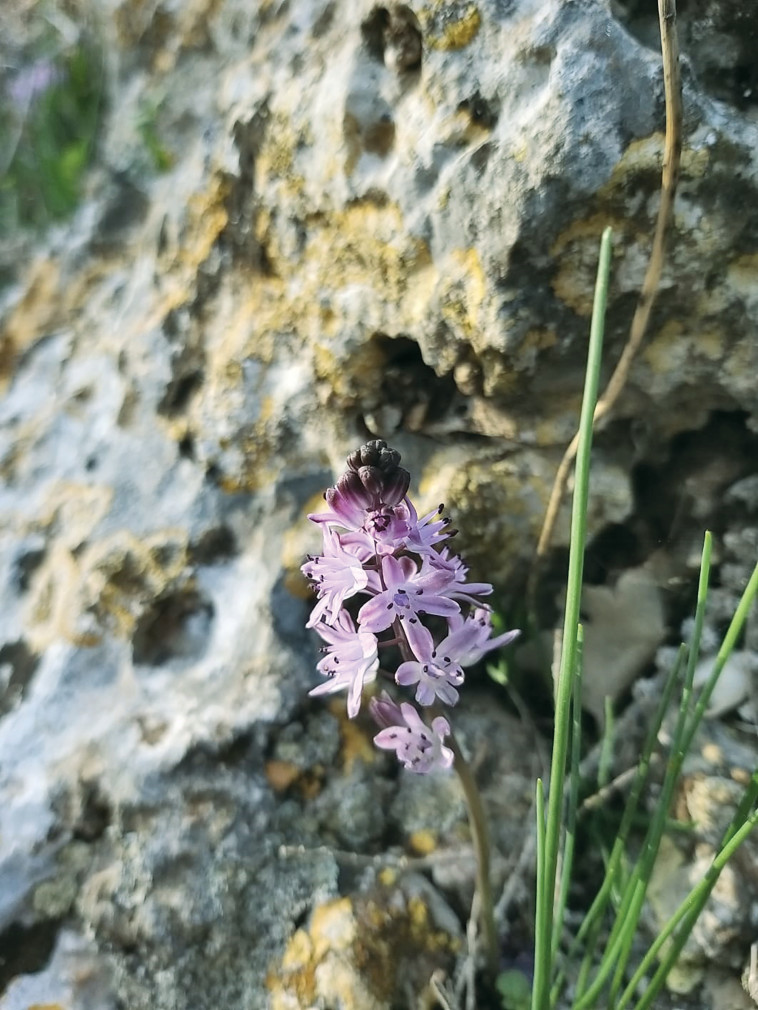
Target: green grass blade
{"x": 544, "y": 911}
{"x": 727, "y": 646}
{"x": 685, "y": 917}
{"x": 567, "y": 861}
{"x": 540, "y": 967}
{"x": 606, "y": 748}
{"x": 593, "y": 918}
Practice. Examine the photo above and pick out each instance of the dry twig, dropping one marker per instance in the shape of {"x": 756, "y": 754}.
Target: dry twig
{"x": 672, "y": 152}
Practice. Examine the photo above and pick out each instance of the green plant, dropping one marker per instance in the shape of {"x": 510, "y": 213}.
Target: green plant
{"x": 604, "y": 977}
{"x": 48, "y": 132}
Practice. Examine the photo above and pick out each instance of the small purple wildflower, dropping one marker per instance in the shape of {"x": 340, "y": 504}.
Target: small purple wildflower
{"x": 434, "y": 670}
{"x": 351, "y": 660}
{"x": 376, "y": 546}
{"x": 31, "y": 82}
{"x": 470, "y": 639}
{"x": 337, "y": 575}
{"x": 458, "y": 588}
{"x": 407, "y": 593}
{"x": 418, "y": 747}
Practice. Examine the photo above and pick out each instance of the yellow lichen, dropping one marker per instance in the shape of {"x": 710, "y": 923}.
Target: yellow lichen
{"x": 355, "y": 952}
{"x": 423, "y": 842}
{"x": 673, "y": 346}
{"x": 540, "y": 339}
{"x": 332, "y": 927}
{"x": 73, "y": 596}
{"x": 388, "y": 876}
{"x": 32, "y": 314}
{"x": 356, "y": 744}
{"x": 742, "y": 275}
{"x": 462, "y": 292}
{"x": 575, "y": 252}
{"x": 449, "y": 30}
{"x": 657, "y": 353}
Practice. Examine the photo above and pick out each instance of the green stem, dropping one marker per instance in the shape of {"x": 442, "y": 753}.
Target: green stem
{"x": 544, "y": 914}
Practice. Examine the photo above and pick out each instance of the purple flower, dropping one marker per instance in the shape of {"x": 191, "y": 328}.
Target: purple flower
{"x": 371, "y": 496}
{"x": 376, "y": 546}
{"x": 351, "y": 660}
{"x": 31, "y": 82}
{"x": 418, "y": 747}
{"x": 455, "y": 567}
{"x": 436, "y": 671}
{"x": 469, "y": 638}
{"x": 428, "y": 531}
{"x": 405, "y": 592}
{"x": 337, "y": 575}
{"x": 387, "y": 528}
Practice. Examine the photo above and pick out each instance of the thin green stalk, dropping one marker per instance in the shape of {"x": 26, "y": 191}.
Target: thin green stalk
{"x": 540, "y": 967}
{"x": 627, "y": 917}
{"x": 592, "y": 920}
{"x": 658, "y": 825}
{"x": 567, "y": 858}
{"x": 606, "y": 748}
{"x": 679, "y": 748}
{"x": 544, "y": 911}
{"x": 633, "y": 896}
{"x": 690, "y": 909}
{"x": 630, "y": 905}
{"x": 727, "y": 646}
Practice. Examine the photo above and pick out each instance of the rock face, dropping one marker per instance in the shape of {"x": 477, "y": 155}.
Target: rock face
{"x": 370, "y": 221}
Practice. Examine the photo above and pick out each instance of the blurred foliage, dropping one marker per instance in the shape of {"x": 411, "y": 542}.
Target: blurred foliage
{"x": 161, "y": 159}
{"x": 51, "y": 106}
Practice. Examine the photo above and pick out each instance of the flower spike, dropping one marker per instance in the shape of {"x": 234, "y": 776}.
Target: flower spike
{"x": 376, "y": 547}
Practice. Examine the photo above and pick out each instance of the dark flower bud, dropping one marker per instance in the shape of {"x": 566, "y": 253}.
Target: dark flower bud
{"x": 351, "y": 488}
{"x": 372, "y": 480}
{"x": 375, "y": 465}
{"x": 395, "y": 486}
{"x": 375, "y": 453}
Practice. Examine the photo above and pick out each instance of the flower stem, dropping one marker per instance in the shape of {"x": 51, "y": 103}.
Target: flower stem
{"x": 477, "y": 822}
{"x": 481, "y": 839}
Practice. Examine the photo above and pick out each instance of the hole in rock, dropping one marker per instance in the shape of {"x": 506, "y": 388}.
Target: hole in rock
{"x": 179, "y": 391}
{"x": 392, "y": 35}
{"x": 26, "y": 565}
{"x": 215, "y": 545}
{"x": 17, "y": 666}
{"x": 482, "y": 112}
{"x": 687, "y": 487}
{"x": 186, "y": 446}
{"x": 177, "y": 626}
{"x": 719, "y": 38}
{"x": 410, "y": 394}
{"x": 25, "y": 949}
{"x": 94, "y": 816}
{"x": 614, "y": 549}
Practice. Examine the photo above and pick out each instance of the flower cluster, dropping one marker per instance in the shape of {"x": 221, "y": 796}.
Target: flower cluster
{"x": 376, "y": 546}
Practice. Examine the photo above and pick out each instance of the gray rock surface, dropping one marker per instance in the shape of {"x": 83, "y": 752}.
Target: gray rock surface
{"x": 373, "y": 221}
